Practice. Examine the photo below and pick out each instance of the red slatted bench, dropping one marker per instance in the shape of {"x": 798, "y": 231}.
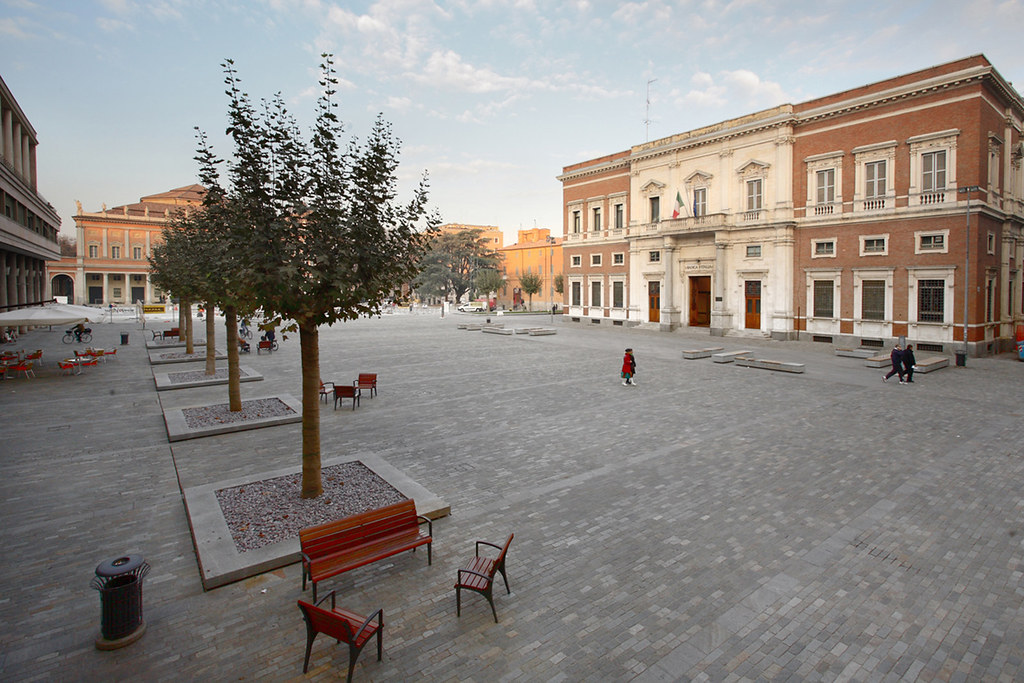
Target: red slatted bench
{"x": 336, "y": 547}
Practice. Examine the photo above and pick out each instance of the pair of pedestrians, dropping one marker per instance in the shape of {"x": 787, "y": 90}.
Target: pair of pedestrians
{"x": 902, "y": 364}
{"x": 628, "y": 368}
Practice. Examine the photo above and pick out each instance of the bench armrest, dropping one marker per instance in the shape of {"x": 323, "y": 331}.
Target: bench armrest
{"x": 323, "y": 599}
{"x": 378, "y": 615}
{"x": 479, "y": 543}
{"x": 430, "y": 524}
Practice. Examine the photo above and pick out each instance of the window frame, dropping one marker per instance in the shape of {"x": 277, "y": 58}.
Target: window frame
{"x": 753, "y": 251}
{"x": 815, "y": 242}
{"x": 869, "y": 156}
{"x": 754, "y": 194}
{"x": 596, "y": 287}
{"x": 654, "y": 208}
{"x": 920, "y": 236}
{"x": 575, "y": 260}
{"x": 864, "y": 251}
{"x": 700, "y": 202}
{"x": 619, "y": 258}
{"x": 815, "y": 282}
{"x": 654, "y": 256}
{"x": 595, "y": 259}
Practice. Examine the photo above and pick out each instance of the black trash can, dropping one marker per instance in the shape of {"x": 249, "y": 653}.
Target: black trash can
{"x": 961, "y": 358}
{"x": 119, "y": 582}
{"x": 124, "y": 339}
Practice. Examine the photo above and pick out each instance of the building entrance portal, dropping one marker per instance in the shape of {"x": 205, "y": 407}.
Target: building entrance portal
{"x": 752, "y": 295}
{"x": 654, "y": 302}
{"x": 700, "y": 301}
{"x": 63, "y": 285}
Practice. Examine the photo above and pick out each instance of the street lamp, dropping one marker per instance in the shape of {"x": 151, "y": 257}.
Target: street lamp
{"x": 967, "y": 265}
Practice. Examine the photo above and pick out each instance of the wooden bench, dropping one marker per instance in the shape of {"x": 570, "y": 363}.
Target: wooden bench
{"x": 343, "y": 626}
{"x": 478, "y": 575}
{"x": 173, "y": 332}
{"x": 931, "y": 364}
{"x": 336, "y": 547}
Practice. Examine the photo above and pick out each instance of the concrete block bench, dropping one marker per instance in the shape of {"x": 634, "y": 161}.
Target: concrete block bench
{"x": 778, "y": 366}
{"x": 474, "y": 326}
{"x": 525, "y": 330}
{"x": 693, "y": 354}
{"x": 728, "y": 356}
{"x": 541, "y": 331}
{"x": 855, "y": 353}
{"x": 880, "y": 361}
{"x": 496, "y": 330}
{"x": 931, "y": 364}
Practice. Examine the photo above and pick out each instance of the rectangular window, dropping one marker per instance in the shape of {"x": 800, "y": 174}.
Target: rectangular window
{"x": 595, "y": 259}
{"x": 991, "y": 243}
{"x": 620, "y": 216}
{"x": 117, "y": 292}
{"x": 595, "y": 294}
{"x": 137, "y": 253}
{"x": 873, "y": 300}
{"x": 115, "y": 252}
{"x": 933, "y": 171}
{"x": 577, "y": 288}
{"x": 754, "y": 195}
{"x": 874, "y": 245}
{"x": 577, "y": 260}
{"x": 618, "y": 294}
{"x": 824, "y": 248}
{"x": 874, "y": 179}
{"x": 753, "y": 251}
{"x": 618, "y": 259}
{"x": 931, "y": 301}
{"x": 576, "y": 222}
{"x": 700, "y": 202}
{"x": 990, "y": 301}
{"x": 654, "y": 257}
{"x": 823, "y": 298}
{"x": 94, "y": 251}
{"x": 655, "y": 209}
{"x": 597, "y": 220}
{"x": 826, "y": 185}
{"x": 933, "y": 242}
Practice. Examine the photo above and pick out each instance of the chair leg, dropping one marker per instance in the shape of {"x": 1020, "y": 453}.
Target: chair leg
{"x": 310, "y": 636}
{"x": 490, "y": 599}
{"x": 458, "y": 601}
{"x": 505, "y": 579}
{"x": 353, "y": 655}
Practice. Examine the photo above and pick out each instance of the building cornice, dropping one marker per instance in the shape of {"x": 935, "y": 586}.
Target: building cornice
{"x": 597, "y": 169}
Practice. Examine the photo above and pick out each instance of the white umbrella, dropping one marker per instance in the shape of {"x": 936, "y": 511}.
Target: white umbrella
{"x": 50, "y": 314}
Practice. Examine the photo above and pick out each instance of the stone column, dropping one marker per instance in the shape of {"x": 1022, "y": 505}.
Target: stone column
{"x": 22, "y": 286}
{"x": 7, "y": 146}
{"x": 26, "y": 161}
{"x": 16, "y": 148}
{"x": 721, "y": 316}
{"x": 669, "y": 305}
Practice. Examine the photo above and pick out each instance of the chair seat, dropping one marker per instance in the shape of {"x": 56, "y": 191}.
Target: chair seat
{"x": 482, "y": 565}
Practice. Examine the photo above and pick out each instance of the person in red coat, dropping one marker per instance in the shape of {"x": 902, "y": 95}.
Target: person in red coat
{"x": 628, "y": 368}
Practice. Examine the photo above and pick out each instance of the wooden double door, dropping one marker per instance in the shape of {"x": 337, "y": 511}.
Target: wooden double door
{"x": 700, "y": 301}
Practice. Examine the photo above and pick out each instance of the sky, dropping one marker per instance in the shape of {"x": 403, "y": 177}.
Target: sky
{"x": 491, "y": 98}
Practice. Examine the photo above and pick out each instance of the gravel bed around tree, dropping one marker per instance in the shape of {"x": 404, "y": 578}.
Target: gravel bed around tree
{"x": 200, "y": 375}
{"x": 220, "y": 413}
{"x": 198, "y": 355}
{"x": 263, "y": 512}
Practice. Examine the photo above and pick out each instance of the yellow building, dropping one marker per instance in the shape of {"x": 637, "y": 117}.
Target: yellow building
{"x": 535, "y": 251}
{"x": 113, "y": 245}
{"x": 490, "y": 234}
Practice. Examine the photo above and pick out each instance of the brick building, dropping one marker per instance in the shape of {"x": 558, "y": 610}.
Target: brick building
{"x": 841, "y": 219}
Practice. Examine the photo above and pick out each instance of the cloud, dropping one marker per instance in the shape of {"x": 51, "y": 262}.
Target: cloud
{"x": 13, "y": 28}
{"x": 113, "y": 25}
{"x": 445, "y": 69}
{"x": 742, "y": 87}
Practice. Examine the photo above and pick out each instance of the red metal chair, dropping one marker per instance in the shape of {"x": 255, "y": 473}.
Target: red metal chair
{"x": 343, "y": 391}
{"x": 324, "y": 391}
{"x": 67, "y": 368}
{"x": 343, "y": 626}
{"x": 367, "y": 381}
{"x": 478, "y": 575}
{"x": 24, "y": 367}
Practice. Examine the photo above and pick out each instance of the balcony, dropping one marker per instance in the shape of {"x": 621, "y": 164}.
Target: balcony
{"x": 873, "y": 204}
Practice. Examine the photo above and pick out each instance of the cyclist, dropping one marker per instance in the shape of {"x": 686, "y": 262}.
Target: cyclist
{"x": 243, "y": 331}
{"x": 79, "y": 329}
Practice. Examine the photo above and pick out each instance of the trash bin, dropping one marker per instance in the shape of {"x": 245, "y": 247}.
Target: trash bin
{"x": 124, "y": 339}
{"x": 119, "y": 582}
{"x": 961, "y": 358}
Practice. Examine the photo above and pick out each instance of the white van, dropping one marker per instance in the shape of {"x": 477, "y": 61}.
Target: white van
{"x": 473, "y": 306}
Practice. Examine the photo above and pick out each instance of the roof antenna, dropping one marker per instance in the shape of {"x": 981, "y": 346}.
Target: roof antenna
{"x": 647, "y": 117}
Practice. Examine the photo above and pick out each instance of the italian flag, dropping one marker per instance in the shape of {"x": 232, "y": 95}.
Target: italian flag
{"x": 678, "y": 211}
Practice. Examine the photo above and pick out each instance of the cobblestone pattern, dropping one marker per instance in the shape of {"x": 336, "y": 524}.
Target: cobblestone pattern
{"x": 713, "y": 523}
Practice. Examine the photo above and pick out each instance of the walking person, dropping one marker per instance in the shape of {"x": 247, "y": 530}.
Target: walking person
{"x": 896, "y": 357}
{"x": 628, "y": 368}
{"x": 908, "y": 362}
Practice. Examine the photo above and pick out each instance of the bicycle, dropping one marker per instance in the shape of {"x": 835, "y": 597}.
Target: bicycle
{"x": 244, "y": 332}
{"x": 72, "y": 337}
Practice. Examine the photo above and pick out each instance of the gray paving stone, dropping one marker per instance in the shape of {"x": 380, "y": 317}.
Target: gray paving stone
{"x": 712, "y": 523}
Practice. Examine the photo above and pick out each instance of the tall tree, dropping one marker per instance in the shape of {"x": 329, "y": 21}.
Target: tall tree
{"x": 488, "y": 280}
{"x": 531, "y": 283}
{"x": 331, "y": 240}
{"x": 451, "y": 262}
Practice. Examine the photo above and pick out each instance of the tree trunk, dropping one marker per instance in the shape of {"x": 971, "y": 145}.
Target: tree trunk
{"x": 189, "y": 348}
{"x": 182, "y": 305}
{"x": 309, "y": 345}
{"x": 234, "y": 375}
{"x": 211, "y": 334}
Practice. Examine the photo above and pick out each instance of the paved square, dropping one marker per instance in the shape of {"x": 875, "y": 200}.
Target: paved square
{"x": 715, "y": 522}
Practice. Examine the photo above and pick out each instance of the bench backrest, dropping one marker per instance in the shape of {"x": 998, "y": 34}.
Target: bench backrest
{"x": 367, "y": 379}
{"x": 344, "y": 391}
{"x": 358, "y": 529}
{"x": 327, "y": 622}
{"x": 499, "y": 562}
